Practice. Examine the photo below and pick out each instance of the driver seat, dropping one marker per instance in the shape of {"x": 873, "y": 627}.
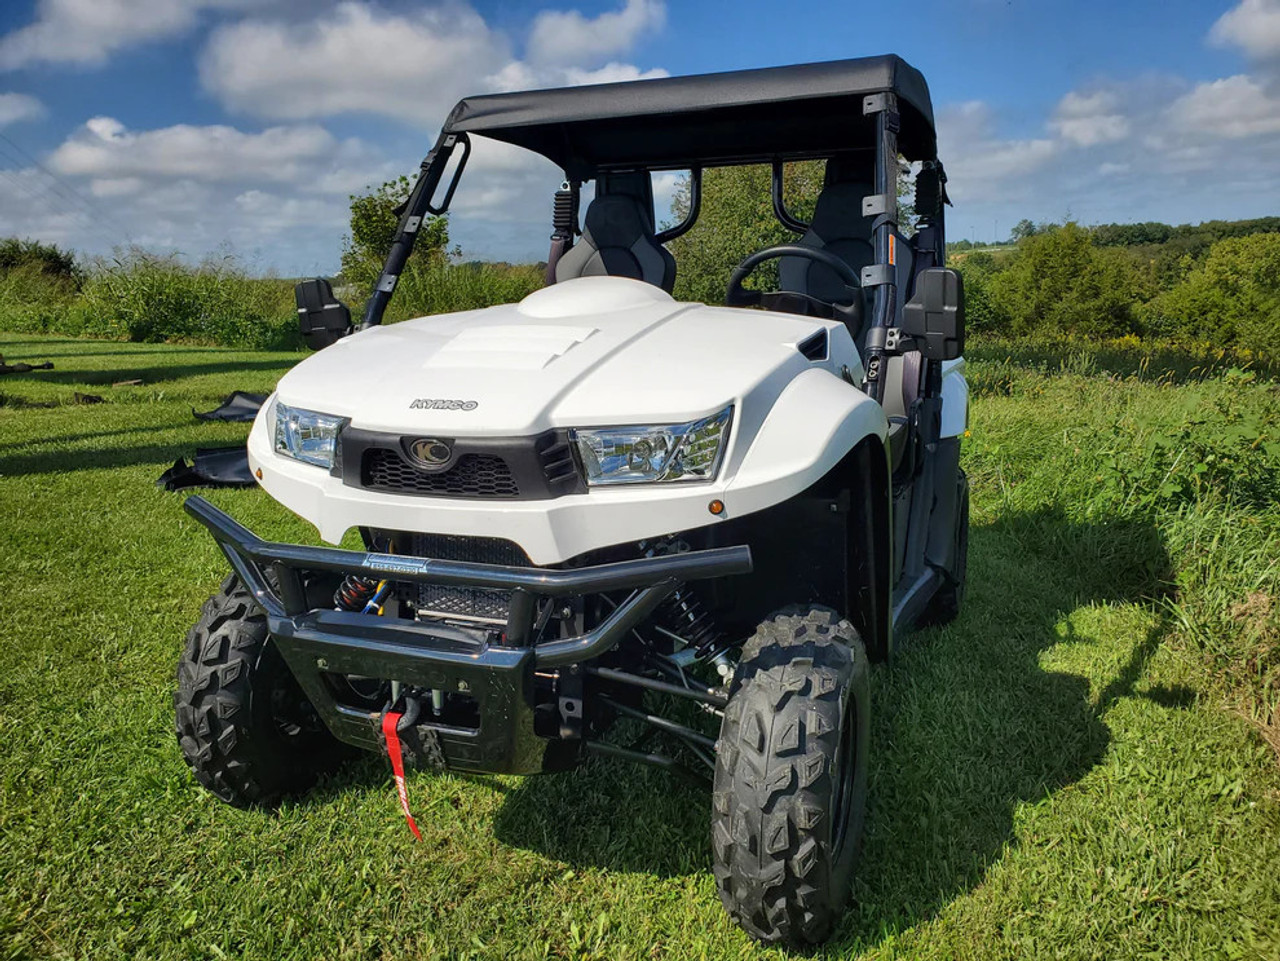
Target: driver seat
{"x": 838, "y": 227}
{"x": 618, "y": 238}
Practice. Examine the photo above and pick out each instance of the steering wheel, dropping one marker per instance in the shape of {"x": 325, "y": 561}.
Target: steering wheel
{"x": 792, "y": 301}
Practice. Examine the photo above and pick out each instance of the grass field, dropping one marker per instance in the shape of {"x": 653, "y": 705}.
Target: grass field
{"x": 1079, "y": 767}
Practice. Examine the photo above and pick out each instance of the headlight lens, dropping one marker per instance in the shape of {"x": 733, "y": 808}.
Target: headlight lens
{"x": 306, "y": 435}
{"x": 659, "y": 454}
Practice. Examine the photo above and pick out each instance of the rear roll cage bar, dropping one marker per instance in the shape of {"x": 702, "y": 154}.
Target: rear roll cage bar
{"x": 794, "y": 224}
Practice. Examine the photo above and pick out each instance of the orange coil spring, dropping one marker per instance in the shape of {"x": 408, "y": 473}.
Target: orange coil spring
{"x": 354, "y": 593}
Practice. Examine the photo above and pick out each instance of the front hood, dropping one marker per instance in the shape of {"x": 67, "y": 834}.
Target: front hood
{"x": 586, "y": 352}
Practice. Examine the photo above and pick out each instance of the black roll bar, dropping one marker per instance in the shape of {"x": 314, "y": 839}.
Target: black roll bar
{"x": 695, "y": 207}
{"x": 885, "y": 108}
{"x": 416, "y": 208}
{"x": 650, "y": 580}
{"x": 780, "y": 210}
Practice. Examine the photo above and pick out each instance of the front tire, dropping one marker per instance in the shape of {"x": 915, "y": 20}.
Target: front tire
{"x": 790, "y": 788}
{"x": 246, "y": 729}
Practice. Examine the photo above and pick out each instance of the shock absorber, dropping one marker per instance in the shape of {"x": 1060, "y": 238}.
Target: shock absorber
{"x": 354, "y": 593}
{"x": 684, "y": 614}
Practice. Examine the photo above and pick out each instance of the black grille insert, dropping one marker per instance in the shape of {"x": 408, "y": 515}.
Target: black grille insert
{"x": 474, "y": 475}
{"x": 466, "y": 603}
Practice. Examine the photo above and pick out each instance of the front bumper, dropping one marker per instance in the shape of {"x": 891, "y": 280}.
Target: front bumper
{"x": 318, "y": 643}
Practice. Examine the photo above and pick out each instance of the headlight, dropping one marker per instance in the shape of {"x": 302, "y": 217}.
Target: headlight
{"x": 663, "y": 454}
{"x": 306, "y": 435}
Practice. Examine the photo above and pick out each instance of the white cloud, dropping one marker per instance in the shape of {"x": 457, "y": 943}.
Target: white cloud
{"x": 411, "y": 66}
{"x": 521, "y": 75}
{"x": 115, "y": 186}
{"x": 1234, "y": 107}
{"x": 1253, "y": 25}
{"x": 18, "y": 106}
{"x": 195, "y": 187}
{"x": 103, "y": 148}
{"x": 356, "y": 58}
{"x": 1153, "y": 147}
{"x": 567, "y": 38}
{"x": 1087, "y": 120}
{"x": 981, "y": 165}
{"x": 279, "y": 195}
{"x": 86, "y": 32}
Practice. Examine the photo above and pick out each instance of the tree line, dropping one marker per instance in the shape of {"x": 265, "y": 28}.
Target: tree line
{"x": 1216, "y": 282}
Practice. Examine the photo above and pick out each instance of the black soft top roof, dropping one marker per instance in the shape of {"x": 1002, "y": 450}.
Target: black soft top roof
{"x": 745, "y": 116}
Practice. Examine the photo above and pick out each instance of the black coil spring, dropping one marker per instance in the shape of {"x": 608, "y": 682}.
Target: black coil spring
{"x": 354, "y": 593}
{"x": 564, "y": 218}
{"x": 683, "y": 614}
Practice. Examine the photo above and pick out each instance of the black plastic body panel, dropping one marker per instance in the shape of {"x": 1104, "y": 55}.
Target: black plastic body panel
{"x": 500, "y": 679}
{"x": 542, "y": 466}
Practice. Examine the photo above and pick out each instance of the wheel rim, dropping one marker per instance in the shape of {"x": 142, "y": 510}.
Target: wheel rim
{"x": 291, "y": 712}
{"x": 843, "y": 774}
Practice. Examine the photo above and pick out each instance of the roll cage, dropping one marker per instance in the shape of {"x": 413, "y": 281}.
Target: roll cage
{"x": 876, "y": 106}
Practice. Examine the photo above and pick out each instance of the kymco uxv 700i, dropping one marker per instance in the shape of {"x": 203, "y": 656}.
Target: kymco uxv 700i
{"x": 591, "y": 505}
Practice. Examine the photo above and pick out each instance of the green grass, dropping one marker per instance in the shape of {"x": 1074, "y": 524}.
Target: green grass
{"x": 1076, "y": 768}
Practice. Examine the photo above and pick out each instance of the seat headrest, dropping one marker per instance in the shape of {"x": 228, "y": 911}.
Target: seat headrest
{"x": 849, "y": 168}
{"x": 635, "y": 184}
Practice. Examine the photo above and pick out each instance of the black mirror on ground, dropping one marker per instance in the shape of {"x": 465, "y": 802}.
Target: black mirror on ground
{"x": 934, "y": 316}
{"x": 322, "y": 317}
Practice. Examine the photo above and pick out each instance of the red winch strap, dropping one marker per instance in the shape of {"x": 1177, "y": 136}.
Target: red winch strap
{"x": 389, "y": 722}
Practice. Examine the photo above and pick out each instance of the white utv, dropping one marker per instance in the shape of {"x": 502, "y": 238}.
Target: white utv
{"x": 600, "y": 501}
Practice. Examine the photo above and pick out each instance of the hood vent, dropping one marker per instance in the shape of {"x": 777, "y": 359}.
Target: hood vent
{"x": 814, "y": 347}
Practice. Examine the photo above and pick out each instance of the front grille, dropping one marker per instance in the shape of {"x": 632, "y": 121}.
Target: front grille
{"x": 467, "y": 603}
{"x": 474, "y": 475}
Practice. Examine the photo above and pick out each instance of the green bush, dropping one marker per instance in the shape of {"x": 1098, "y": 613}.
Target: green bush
{"x": 981, "y": 313}
{"x": 1058, "y": 282}
{"x": 37, "y": 284}
{"x": 1222, "y": 448}
{"x": 736, "y": 219}
{"x": 46, "y": 259}
{"x": 33, "y": 300}
{"x": 1232, "y": 299}
{"x": 142, "y": 297}
{"x": 374, "y": 221}
{"x": 436, "y": 287}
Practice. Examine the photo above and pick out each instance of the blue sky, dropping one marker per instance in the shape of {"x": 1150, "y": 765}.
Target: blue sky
{"x": 213, "y": 126}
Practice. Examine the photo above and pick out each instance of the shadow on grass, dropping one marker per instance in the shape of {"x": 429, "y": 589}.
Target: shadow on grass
{"x": 66, "y": 461}
{"x": 84, "y": 436}
{"x": 968, "y": 726}
{"x": 161, "y": 372}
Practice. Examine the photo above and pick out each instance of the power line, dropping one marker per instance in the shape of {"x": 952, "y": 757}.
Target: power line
{"x": 65, "y": 185}
{"x": 45, "y": 194}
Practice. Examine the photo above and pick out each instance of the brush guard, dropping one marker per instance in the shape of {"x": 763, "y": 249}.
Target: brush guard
{"x": 319, "y": 642}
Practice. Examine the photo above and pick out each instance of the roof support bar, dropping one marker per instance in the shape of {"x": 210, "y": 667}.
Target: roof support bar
{"x": 885, "y": 108}
{"x": 417, "y": 207}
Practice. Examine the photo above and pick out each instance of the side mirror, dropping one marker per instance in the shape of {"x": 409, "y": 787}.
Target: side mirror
{"x": 934, "y": 316}
{"x": 322, "y": 317}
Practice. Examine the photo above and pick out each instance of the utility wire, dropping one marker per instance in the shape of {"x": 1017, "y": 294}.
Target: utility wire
{"x": 44, "y": 196}
{"x": 66, "y": 189}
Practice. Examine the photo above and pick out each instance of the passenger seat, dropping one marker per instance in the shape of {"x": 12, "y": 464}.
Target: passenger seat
{"x": 618, "y": 238}
{"x": 838, "y": 227}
